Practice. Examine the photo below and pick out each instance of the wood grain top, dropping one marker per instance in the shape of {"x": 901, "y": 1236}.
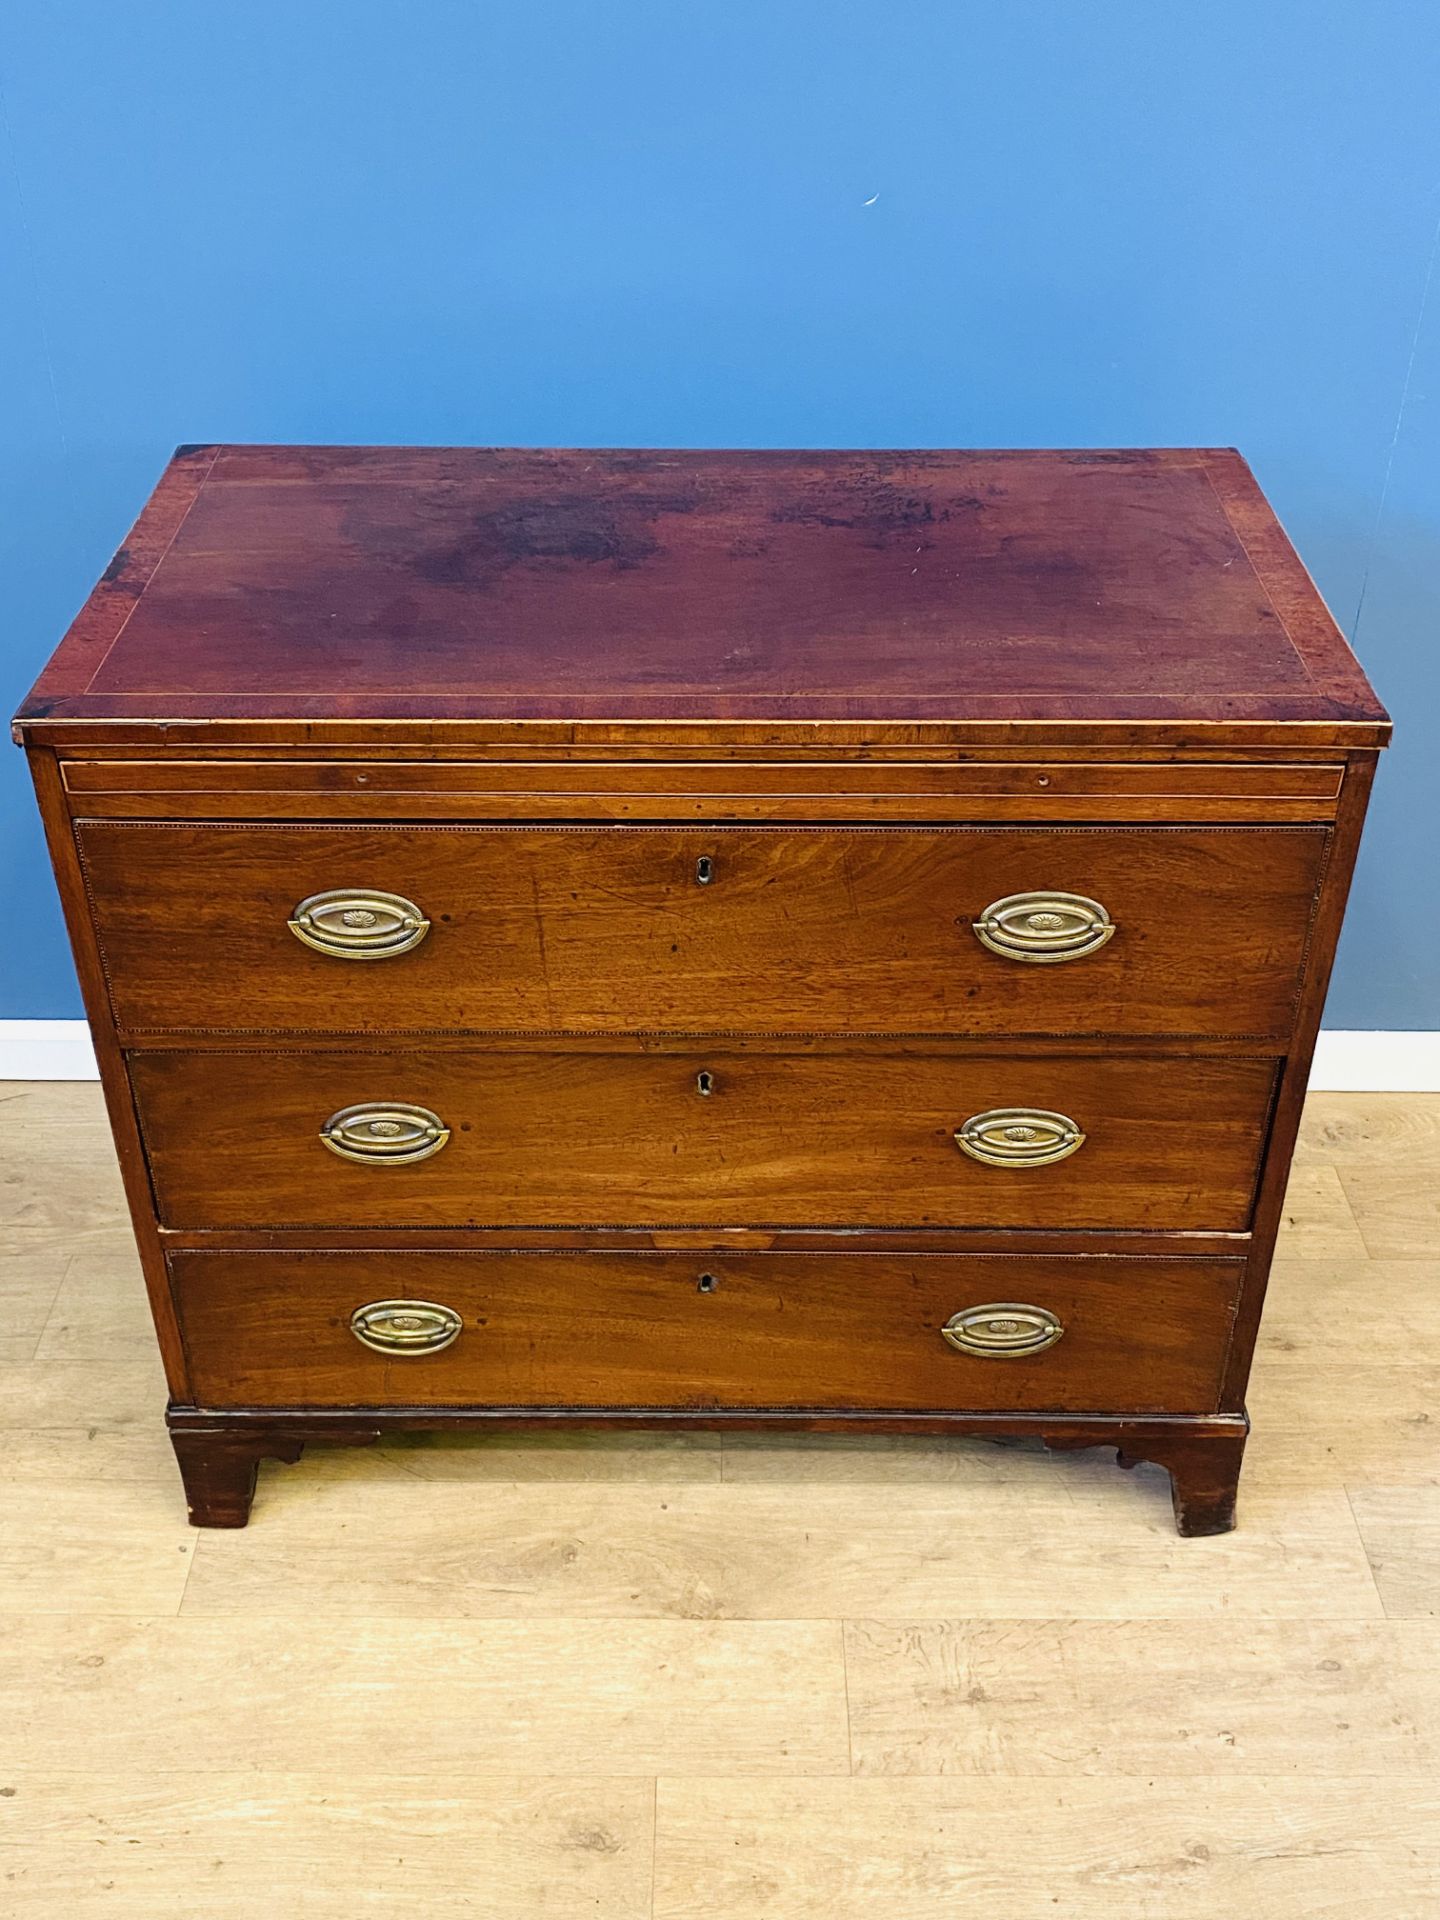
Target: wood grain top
{"x": 279, "y": 593}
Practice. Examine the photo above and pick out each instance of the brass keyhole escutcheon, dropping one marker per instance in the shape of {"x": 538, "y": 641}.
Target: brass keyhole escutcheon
{"x": 707, "y": 1283}
{"x": 704, "y": 1084}
{"x": 704, "y": 870}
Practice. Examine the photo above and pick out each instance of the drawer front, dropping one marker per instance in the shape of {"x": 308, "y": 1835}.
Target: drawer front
{"x": 668, "y": 1330}
{"x": 785, "y": 930}
{"x": 512, "y": 1138}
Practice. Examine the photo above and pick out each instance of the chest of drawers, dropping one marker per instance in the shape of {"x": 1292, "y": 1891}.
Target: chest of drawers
{"x": 826, "y": 941}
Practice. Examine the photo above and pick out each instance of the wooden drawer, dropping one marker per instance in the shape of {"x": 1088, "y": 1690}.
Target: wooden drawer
{"x": 750, "y": 929}
{"x": 708, "y": 1137}
{"x": 712, "y": 1330}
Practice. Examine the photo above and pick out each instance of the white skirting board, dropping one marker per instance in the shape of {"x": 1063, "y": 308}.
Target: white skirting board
{"x": 46, "y": 1050}
{"x": 1376, "y": 1063}
{"x": 1344, "y": 1062}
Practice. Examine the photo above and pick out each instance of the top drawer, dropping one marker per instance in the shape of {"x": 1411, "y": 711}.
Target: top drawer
{"x": 1189, "y": 930}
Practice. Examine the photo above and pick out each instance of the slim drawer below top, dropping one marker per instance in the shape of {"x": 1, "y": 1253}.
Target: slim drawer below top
{"x": 987, "y": 931}
{"x": 919, "y": 1331}
{"x": 521, "y": 1137}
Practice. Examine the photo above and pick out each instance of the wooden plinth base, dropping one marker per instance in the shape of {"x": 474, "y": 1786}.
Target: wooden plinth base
{"x": 219, "y": 1453}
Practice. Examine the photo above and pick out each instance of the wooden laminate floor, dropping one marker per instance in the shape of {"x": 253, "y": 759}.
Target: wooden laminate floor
{"x": 765, "y": 1680}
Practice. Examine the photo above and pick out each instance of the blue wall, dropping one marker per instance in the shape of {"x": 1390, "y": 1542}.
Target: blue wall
{"x": 757, "y": 223}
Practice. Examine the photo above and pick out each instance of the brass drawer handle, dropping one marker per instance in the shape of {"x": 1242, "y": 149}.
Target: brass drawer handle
{"x": 1044, "y": 928}
{"x": 357, "y": 923}
{"x": 1019, "y": 1137}
{"x": 1002, "y": 1331}
{"x": 405, "y": 1326}
{"x": 385, "y": 1133}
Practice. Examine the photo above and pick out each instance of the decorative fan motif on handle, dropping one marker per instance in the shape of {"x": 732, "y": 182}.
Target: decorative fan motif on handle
{"x": 1044, "y": 928}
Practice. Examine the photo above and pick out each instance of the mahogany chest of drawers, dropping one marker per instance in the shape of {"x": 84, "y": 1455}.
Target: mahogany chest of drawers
{"x": 812, "y": 940}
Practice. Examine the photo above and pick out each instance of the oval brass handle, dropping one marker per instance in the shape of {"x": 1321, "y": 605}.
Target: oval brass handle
{"x": 405, "y": 1326}
{"x": 1019, "y": 1137}
{"x": 384, "y": 1133}
{"x": 358, "y": 923}
{"x": 1002, "y": 1330}
{"x": 1044, "y": 928}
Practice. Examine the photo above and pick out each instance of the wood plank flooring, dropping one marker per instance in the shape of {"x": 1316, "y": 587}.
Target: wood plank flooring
{"x": 645, "y": 1678}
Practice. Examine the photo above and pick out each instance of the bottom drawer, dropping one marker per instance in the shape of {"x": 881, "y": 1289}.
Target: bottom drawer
{"x": 821, "y": 1330}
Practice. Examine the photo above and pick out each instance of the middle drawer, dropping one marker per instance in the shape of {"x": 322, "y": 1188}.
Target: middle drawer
{"x": 712, "y": 1138}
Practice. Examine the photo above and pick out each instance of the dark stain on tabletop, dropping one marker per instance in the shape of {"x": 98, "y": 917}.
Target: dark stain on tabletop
{"x": 552, "y": 530}
{"x": 882, "y": 513}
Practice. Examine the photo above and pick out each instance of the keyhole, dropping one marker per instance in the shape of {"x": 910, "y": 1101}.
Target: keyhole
{"x": 707, "y": 1283}
{"x": 704, "y": 1084}
{"x": 704, "y": 870}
